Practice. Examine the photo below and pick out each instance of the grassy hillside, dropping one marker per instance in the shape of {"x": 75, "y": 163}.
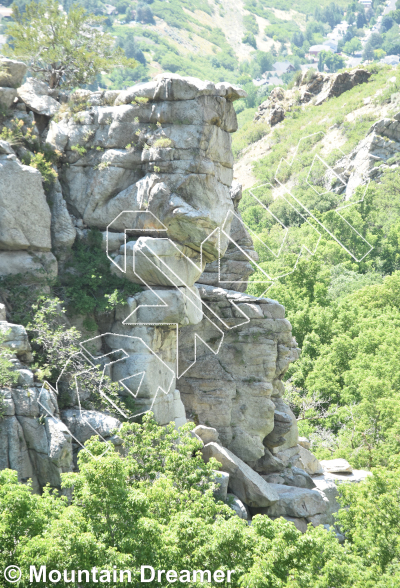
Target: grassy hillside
{"x": 344, "y": 312}
{"x": 234, "y": 40}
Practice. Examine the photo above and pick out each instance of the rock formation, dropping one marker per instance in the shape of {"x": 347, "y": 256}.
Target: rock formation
{"x": 380, "y": 148}
{"x": 153, "y": 163}
{"x": 310, "y": 86}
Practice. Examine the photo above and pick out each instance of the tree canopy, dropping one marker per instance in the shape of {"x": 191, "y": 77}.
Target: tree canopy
{"x": 154, "y": 506}
{"x": 65, "y": 50}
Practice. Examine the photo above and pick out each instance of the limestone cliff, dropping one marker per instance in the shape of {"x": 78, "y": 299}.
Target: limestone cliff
{"x": 151, "y": 168}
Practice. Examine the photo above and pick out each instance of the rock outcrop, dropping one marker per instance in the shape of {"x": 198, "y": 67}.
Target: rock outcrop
{"x": 310, "y": 86}
{"x": 246, "y": 484}
{"x": 153, "y": 163}
{"x": 379, "y": 149}
{"x": 235, "y": 385}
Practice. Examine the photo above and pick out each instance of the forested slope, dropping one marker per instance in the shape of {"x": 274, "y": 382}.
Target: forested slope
{"x": 341, "y": 296}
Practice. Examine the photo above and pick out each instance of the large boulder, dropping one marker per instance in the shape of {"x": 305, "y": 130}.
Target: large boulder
{"x": 336, "y": 466}
{"x": 24, "y": 213}
{"x": 14, "y": 72}
{"x": 295, "y": 502}
{"x": 35, "y": 94}
{"x": 244, "y": 482}
{"x": 7, "y": 96}
{"x": 206, "y": 434}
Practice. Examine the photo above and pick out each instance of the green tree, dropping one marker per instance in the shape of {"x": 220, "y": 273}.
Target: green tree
{"x": 371, "y": 519}
{"x": 352, "y": 46}
{"x": 368, "y": 53}
{"x": 153, "y": 505}
{"x": 65, "y": 50}
{"x": 144, "y": 13}
{"x": 250, "y": 39}
{"x": 332, "y": 61}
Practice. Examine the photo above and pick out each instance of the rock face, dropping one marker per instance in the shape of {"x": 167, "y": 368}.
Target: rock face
{"x": 24, "y": 213}
{"x": 237, "y": 390}
{"x": 169, "y": 155}
{"x": 316, "y": 86}
{"x": 154, "y": 163}
{"x": 380, "y": 148}
{"x": 232, "y": 270}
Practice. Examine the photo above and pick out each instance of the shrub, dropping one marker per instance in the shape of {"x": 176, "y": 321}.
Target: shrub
{"x": 41, "y": 163}
{"x": 162, "y": 143}
{"x": 250, "y": 39}
{"x": 88, "y": 285}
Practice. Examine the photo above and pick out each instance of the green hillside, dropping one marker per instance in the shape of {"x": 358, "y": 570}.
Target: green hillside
{"x": 234, "y": 40}
{"x": 345, "y": 313}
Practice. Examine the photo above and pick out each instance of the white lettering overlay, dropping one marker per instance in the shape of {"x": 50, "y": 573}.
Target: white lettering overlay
{"x": 147, "y": 574}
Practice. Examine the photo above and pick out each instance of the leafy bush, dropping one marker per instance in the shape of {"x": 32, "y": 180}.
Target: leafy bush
{"x": 250, "y": 24}
{"x": 39, "y": 162}
{"x": 58, "y": 354}
{"x": 163, "y": 142}
{"x": 250, "y": 39}
{"x": 154, "y": 507}
{"x": 87, "y": 284}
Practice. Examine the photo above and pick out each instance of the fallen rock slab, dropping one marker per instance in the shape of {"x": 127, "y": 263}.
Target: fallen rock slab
{"x": 35, "y": 94}
{"x": 336, "y": 466}
{"x": 295, "y": 502}
{"x": 244, "y": 482}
